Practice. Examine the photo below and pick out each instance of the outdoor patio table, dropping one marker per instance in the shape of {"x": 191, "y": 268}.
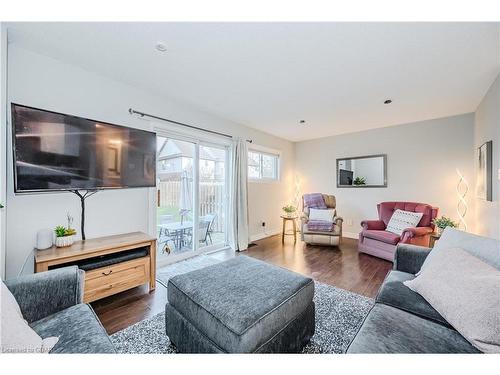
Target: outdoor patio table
{"x": 177, "y": 230}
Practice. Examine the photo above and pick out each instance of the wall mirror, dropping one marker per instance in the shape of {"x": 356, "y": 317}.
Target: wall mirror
{"x": 362, "y": 171}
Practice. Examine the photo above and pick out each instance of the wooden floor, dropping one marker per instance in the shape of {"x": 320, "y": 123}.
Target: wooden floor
{"x": 342, "y": 267}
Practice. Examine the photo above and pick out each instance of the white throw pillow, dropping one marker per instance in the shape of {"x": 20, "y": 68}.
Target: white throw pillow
{"x": 322, "y": 214}
{"x": 465, "y": 291}
{"x": 484, "y": 248}
{"x": 17, "y": 336}
{"x": 400, "y": 220}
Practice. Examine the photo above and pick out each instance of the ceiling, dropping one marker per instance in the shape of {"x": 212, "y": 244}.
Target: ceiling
{"x": 269, "y": 76}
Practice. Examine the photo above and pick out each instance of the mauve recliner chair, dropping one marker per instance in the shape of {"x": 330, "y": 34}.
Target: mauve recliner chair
{"x": 376, "y": 241}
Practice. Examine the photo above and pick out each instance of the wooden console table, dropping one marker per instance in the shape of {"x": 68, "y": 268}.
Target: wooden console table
{"x": 111, "y": 279}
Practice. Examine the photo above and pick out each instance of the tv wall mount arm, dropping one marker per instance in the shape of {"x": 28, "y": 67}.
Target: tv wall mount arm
{"x": 83, "y": 196}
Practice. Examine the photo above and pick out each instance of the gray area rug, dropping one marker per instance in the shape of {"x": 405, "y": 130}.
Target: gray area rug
{"x": 339, "y": 313}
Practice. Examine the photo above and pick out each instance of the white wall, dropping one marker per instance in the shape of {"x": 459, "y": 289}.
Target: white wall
{"x": 3, "y": 136}
{"x": 40, "y": 81}
{"x": 421, "y": 162}
{"x": 487, "y": 128}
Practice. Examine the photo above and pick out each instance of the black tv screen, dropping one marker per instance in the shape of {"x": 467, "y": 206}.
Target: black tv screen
{"x": 55, "y": 151}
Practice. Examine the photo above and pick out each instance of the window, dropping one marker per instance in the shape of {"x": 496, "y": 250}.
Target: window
{"x": 263, "y": 166}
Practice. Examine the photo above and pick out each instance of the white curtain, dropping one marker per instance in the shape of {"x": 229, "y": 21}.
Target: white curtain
{"x": 238, "y": 208}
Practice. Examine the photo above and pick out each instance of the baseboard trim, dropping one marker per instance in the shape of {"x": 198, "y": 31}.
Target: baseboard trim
{"x": 354, "y": 236}
{"x": 274, "y": 232}
{"x": 260, "y": 236}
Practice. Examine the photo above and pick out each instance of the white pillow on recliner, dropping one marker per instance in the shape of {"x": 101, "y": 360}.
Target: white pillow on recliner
{"x": 322, "y": 214}
{"x": 17, "y": 336}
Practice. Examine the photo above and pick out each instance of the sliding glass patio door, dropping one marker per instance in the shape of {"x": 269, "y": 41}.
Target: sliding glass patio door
{"x": 212, "y": 197}
{"x": 191, "y": 197}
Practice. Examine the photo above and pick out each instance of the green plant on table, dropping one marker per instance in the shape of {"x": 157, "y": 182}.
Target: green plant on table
{"x": 289, "y": 209}
{"x": 359, "y": 181}
{"x": 444, "y": 222}
{"x": 64, "y": 232}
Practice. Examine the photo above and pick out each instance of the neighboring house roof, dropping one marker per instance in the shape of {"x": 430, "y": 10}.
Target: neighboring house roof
{"x": 171, "y": 149}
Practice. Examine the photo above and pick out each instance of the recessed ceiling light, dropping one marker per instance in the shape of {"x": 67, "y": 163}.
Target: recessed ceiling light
{"x": 160, "y": 46}
{"x": 388, "y": 101}
{"x": 302, "y": 121}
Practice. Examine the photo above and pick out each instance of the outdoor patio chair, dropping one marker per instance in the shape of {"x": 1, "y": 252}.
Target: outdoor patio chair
{"x": 207, "y": 223}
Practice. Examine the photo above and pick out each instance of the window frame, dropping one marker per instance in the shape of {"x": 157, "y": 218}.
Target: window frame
{"x": 276, "y": 154}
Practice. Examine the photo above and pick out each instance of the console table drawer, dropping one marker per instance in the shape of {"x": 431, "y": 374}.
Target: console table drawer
{"x": 124, "y": 261}
{"x": 105, "y": 281}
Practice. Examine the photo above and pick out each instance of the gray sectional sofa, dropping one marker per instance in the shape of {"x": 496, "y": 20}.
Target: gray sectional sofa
{"x": 402, "y": 321}
{"x": 51, "y": 302}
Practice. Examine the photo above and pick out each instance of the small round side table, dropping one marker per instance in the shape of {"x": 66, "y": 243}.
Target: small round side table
{"x": 294, "y": 230}
{"x": 434, "y": 237}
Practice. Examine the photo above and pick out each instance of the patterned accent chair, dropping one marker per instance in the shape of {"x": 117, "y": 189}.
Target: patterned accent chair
{"x": 376, "y": 241}
{"x": 321, "y": 238}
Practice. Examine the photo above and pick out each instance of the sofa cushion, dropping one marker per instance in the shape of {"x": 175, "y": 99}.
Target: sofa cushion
{"x": 241, "y": 303}
{"x": 63, "y": 287}
{"x": 390, "y": 330}
{"x": 79, "y": 331}
{"x": 484, "y": 248}
{"x": 465, "y": 290}
{"x": 16, "y": 336}
{"x": 382, "y": 235}
{"x": 394, "y": 293}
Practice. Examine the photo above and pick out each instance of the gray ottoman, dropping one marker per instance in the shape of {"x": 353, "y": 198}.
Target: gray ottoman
{"x": 241, "y": 305}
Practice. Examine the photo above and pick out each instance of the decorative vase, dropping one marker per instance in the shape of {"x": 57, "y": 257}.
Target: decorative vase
{"x": 44, "y": 239}
{"x": 440, "y": 231}
{"x": 65, "y": 241}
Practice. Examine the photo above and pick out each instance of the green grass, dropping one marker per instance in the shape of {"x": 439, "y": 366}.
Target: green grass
{"x": 174, "y": 211}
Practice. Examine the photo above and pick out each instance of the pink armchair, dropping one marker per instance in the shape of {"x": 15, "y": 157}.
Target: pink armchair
{"x": 376, "y": 241}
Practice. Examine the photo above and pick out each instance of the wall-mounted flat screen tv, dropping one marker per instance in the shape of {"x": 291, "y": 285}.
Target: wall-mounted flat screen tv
{"x": 54, "y": 151}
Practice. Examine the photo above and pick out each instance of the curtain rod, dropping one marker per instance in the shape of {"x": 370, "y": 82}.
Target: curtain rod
{"x": 142, "y": 114}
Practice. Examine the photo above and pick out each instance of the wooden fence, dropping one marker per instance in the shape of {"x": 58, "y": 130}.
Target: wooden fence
{"x": 211, "y": 198}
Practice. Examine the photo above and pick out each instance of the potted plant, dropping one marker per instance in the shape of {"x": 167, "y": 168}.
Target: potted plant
{"x": 444, "y": 222}
{"x": 65, "y": 236}
{"x": 358, "y": 181}
{"x": 289, "y": 210}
